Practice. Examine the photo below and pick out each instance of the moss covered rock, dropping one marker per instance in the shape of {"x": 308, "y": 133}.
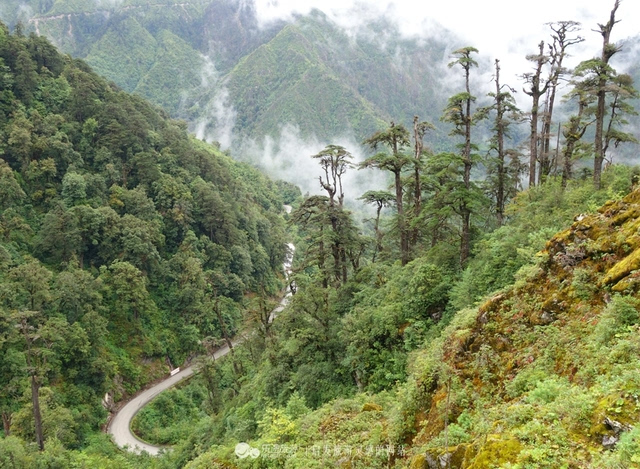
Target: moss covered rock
{"x": 495, "y": 452}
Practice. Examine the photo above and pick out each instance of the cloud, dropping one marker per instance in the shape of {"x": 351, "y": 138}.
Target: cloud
{"x": 108, "y": 3}
{"x": 24, "y": 13}
{"x": 288, "y": 157}
{"x": 498, "y": 28}
{"x": 217, "y": 121}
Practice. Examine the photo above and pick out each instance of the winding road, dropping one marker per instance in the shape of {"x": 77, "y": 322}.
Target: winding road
{"x": 120, "y": 426}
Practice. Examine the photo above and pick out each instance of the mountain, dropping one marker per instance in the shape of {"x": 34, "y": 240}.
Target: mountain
{"x": 192, "y": 57}
{"x": 313, "y": 75}
{"x": 127, "y": 245}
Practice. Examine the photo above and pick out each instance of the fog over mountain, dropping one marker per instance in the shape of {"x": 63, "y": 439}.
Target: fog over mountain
{"x": 498, "y": 28}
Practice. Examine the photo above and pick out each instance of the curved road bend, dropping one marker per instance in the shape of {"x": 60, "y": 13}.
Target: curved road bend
{"x": 120, "y": 426}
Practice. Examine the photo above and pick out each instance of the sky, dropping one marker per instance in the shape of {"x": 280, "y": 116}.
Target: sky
{"x": 485, "y": 23}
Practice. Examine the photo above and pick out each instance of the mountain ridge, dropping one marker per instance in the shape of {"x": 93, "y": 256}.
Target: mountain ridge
{"x": 374, "y": 89}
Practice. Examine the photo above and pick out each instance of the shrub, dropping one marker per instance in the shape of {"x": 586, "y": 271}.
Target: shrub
{"x": 620, "y": 313}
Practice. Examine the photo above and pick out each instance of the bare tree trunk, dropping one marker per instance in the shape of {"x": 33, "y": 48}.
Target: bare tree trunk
{"x": 6, "y": 423}
{"x": 608, "y": 50}
{"x": 533, "y": 144}
{"x": 465, "y": 242}
{"x": 37, "y": 416}
{"x": 35, "y": 387}
{"x": 378, "y": 233}
{"x": 321, "y": 260}
{"x": 558, "y": 51}
{"x": 417, "y": 203}
{"x": 404, "y": 245}
{"x": 556, "y": 157}
{"x": 500, "y": 144}
{"x": 573, "y": 134}
{"x": 465, "y": 247}
{"x": 227, "y": 339}
{"x": 535, "y": 92}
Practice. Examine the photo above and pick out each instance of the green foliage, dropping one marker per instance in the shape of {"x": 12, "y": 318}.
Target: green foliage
{"x": 533, "y": 217}
{"x": 125, "y": 54}
{"x": 169, "y": 417}
{"x": 618, "y": 318}
{"x": 57, "y": 420}
{"x": 515, "y": 377}
{"x": 74, "y": 189}
{"x": 176, "y": 67}
{"x": 290, "y": 192}
{"x": 108, "y": 263}
{"x": 124, "y": 242}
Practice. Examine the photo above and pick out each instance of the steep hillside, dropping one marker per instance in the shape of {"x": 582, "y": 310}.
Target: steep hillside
{"x": 289, "y": 80}
{"x": 311, "y": 74}
{"x": 544, "y": 374}
{"x": 126, "y": 245}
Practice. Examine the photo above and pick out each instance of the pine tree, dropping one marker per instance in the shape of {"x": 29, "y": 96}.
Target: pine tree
{"x": 458, "y": 112}
{"x": 395, "y": 137}
{"x": 505, "y": 109}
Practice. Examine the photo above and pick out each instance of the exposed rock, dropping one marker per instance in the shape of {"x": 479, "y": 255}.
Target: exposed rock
{"x": 431, "y": 462}
{"x": 546, "y": 317}
{"x": 623, "y": 268}
{"x": 609, "y": 441}
{"x": 616, "y": 426}
{"x": 438, "y": 462}
{"x": 444, "y": 460}
{"x": 107, "y": 402}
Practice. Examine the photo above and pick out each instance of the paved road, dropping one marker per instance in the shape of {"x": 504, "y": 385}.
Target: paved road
{"x": 120, "y": 426}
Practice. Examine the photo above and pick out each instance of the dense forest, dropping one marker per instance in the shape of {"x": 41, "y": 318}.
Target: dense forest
{"x": 125, "y": 243}
{"x": 470, "y": 323}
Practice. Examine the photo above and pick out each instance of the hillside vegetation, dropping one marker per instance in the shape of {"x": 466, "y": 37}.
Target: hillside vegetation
{"x": 474, "y": 324}
{"x": 125, "y": 245}
{"x": 542, "y": 373}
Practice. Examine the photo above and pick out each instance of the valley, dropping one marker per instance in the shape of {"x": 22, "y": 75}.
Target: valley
{"x": 464, "y": 288}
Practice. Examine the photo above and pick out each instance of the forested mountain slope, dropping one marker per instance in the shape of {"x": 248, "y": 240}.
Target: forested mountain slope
{"x": 194, "y": 57}
{"x": 126, "y": 245}
{"x": 313, "y": 75}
